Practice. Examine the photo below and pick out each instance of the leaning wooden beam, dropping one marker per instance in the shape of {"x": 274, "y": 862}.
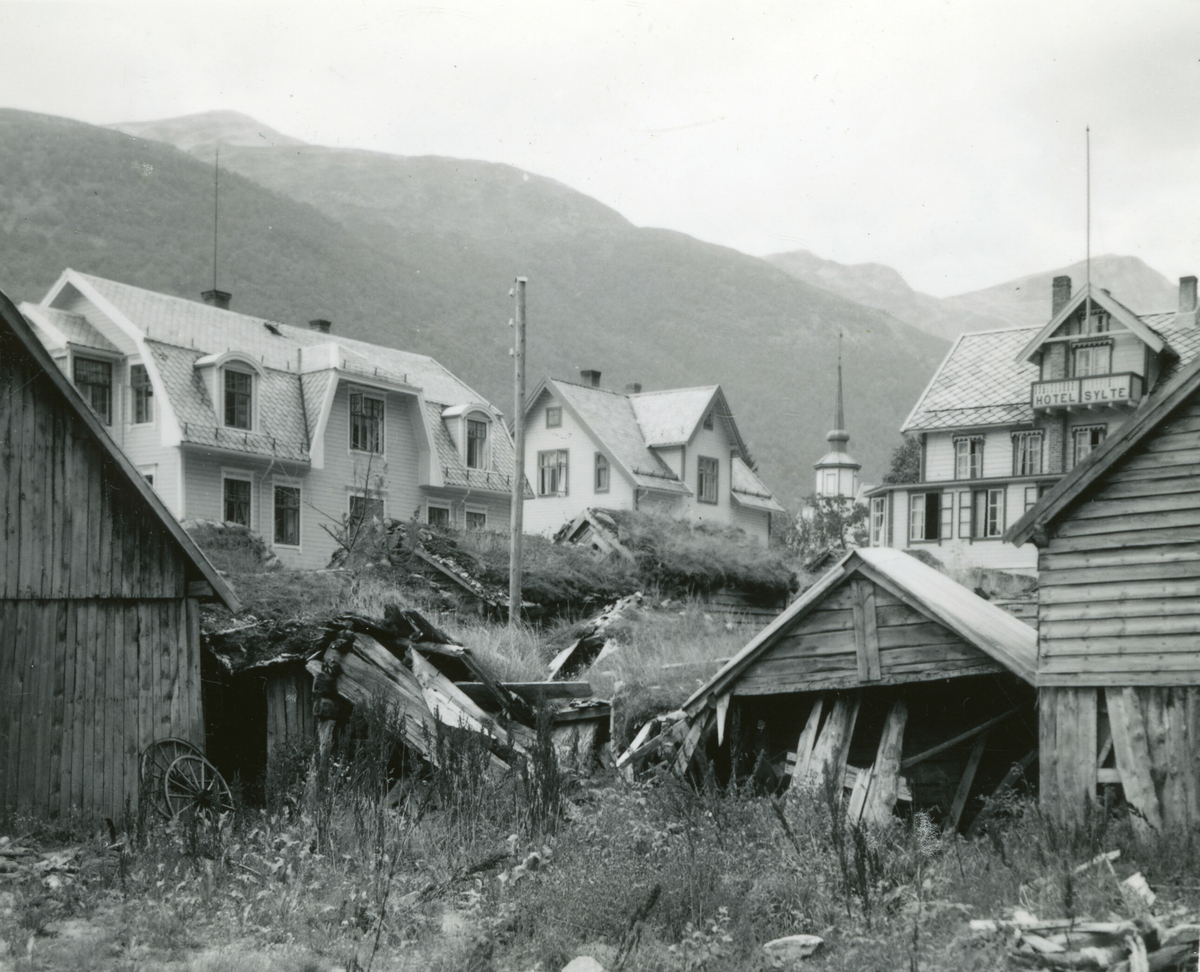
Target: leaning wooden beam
{"x": 450, "y": 705}
{"x": 808, "y": 738}
{"x": 885, "y": 780}
{"x": 1133, "y": 758}
{"x": 961, "y": 738}
{"x": 1015, "y": 772}
{"x": 683, "y": 758}
{"x": 964, "y": 785}
{"x": 833, "y": 746}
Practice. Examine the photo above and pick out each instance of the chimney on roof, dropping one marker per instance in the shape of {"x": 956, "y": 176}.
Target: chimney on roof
{"x": 217, "y": 298}
{"x": 590, "y": 378}
{"x": 320, "y": 325}
{"x": 633, "y": 388}
{"x": 1187, "y": 298}
{"x": 1060, "y": 293}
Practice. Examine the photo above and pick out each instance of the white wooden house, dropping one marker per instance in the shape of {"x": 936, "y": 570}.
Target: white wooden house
{"x": 286, "y": 430}
{"x": 1009, "y": 412}
{"x": 676, "y": 451}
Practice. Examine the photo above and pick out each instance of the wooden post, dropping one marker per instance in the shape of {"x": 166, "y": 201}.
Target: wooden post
{"x": 885, "y": 773}
{"x": 964, "y": 785}
{"x": 518, "y": 487}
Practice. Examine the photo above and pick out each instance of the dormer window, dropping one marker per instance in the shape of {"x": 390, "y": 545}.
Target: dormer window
{"x": 93, "y": 378}
{"x": 1091, "y": 358}
{"x": 366, "y": 423}
{"x": 477, "y": 444}
{"x": 239, "y": 396}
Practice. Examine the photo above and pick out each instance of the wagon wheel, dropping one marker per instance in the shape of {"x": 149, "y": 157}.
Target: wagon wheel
{"x": 192, "y": 782}
{"x": 156, "y": 760}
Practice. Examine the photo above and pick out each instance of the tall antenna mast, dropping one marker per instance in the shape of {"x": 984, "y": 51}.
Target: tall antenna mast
{"x": 1087, "y": 311}
{"x": 216, "y": 188}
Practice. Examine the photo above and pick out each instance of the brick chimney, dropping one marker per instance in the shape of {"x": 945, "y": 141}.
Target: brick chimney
{"x": 320, "y": 324}
{"x": 1060, "y": 293}
{"x": 217, "y": 298}
{"x": 1187, "y": 299}
{"x": 590, "y": 378}
{"x": 633, "y": 388}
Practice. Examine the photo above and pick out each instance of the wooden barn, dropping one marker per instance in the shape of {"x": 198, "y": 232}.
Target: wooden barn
{"x": 886, "y": 673}
{"x": 99, "y": 591}
{"x": 1118, "y": 666}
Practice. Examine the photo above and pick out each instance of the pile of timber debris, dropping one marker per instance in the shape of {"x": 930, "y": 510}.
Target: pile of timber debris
{"x": 434, "y": 685}
{"x": 595, "y": 639}
{"x": 1144, "y": 943}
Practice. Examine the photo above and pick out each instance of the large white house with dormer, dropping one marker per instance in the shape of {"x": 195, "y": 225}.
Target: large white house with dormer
{"x": 1009, "y": 412}
{"x": 286, "y": 430}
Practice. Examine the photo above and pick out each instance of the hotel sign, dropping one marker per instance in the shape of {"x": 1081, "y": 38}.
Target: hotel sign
{"x": 1098, "y": 390}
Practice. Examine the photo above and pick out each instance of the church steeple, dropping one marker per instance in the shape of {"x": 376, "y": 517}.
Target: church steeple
{"x": 837, "y": 472}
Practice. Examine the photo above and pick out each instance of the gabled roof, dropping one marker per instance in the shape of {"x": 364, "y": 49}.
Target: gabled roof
{"x": 17, "y": 324}
{"x": 1103, "y": 299}
{"x": 611, "y": 421}
{"x": 997, "y": 633}
{"x": 748, "y": 490}
{"x": 983, "y": 381}
{"x": 1153, "y": 411}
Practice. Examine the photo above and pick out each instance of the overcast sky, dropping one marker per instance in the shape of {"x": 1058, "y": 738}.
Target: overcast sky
{"x": 943, "y": 139}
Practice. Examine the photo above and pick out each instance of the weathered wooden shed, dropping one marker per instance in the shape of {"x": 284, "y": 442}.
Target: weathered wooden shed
{"x": 1118, "y": 666}
{"x": 886, "y": 664}
{"x": 99, "y": 591}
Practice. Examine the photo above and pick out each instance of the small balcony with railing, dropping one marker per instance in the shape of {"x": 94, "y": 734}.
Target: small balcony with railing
{"x": 1123, "y": 390}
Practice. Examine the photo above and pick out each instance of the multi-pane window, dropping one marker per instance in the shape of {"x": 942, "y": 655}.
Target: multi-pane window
{"x": 476, "y": 520}
{"x": 707, "y": 471}
{"x": 878, "y": 521}
{"x": 552, "y": 473}
{"x": 601, "y": 483}
{"x": 987, "y": 513}
{"x": 925, "y": 515}
{"x": 438, "y": 516}
{"x": 94, "y": 380}
{"x": 364, "y": 509}
{"x": 1032, "y": 495}
{"x": 366, "y": 423}
{"x": 968, "y": 457}
{"x": 1085, "y": 440}
{"x": 238, "y": 396}
{"x": 476, "y": 444}
{"x": 1027, "y": 454}
{"x": 554, "y": 417}
{"x": 1091, "y": 359}
{"x": 237, "y": 501}
{"x": 143, "y": 394}
{"x": 287, "y": 515}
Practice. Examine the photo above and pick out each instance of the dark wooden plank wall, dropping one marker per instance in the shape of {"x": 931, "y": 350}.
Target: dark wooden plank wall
{"x": 289, "y": 709}
{"x": 821, "y": 651}
{"x": 99, "y": 646}
{"x": 1119, "y": 595}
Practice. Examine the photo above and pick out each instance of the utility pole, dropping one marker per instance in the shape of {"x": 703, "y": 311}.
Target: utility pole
{"x": 518, "y": 486}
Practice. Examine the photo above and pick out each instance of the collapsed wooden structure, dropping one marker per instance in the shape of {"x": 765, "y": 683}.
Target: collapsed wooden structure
{"x": 1118, "y": 666}
{"x": 885, "y": 675}
{"x": 99, "y": 601}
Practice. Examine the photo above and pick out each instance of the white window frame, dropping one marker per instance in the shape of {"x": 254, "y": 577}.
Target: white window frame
{"x": 485, "y": 449}
{"x": 133, "y": 397}
{"x": 554, "y": 416}
{"x": 446, "y": 507}
{"x": 988, "y": 513}
{"x": 113, "y": 385}
{"x": 150, "y": 474}
{"x": 1090, "y": 351}
{"x": 278, "y": 484}
{"x": 1021, "y": 450}
{"x": 969, "y": 459}
{"x": 375, "y": 396}
{"x": 239, "y": 475}
{"x": 562, "y": 467}
{"x": 879, "y": 521}
{"x": 914, "y": 506}
{"x": 965, "y": 514}
{"x": 250, "y": 373}
{"x": 365, "y": 494}
{"x": 1077, "y": 431}
{"x": 470, "y": 511}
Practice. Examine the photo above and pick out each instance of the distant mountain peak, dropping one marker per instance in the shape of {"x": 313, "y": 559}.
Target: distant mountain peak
{"x": 200, "y": 133}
